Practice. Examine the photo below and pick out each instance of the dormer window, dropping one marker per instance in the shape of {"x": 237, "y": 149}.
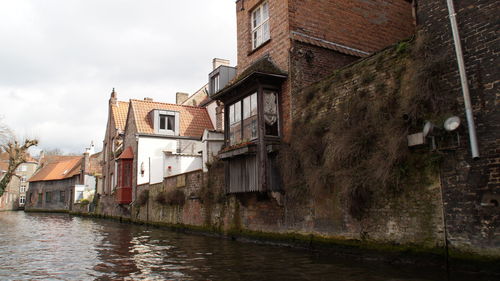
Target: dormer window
{"x": 166, "y": 122}
{"x": 260, "y": 25}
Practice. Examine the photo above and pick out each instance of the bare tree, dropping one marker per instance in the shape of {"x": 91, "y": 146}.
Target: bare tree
{"x": 17, "y": 153}
{"x": 5, "y": 133}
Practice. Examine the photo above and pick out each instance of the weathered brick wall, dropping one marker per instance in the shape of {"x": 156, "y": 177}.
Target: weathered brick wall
{"x": 311, "y": 63}
{"x": 54, "y": 187}
{"x": 10, "y": 198}
{"x": 108, "y": 166}
{"x": 277, "y": 48}
{"x": 471, "y": 186}
{"x": 130, "y": 140}
{"x": 365, "y": 25}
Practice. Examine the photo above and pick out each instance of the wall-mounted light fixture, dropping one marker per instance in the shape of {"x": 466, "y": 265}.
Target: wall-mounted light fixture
{"x": 432, "y": 132}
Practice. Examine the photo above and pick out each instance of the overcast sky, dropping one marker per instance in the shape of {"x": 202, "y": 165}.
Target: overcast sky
{"x": 60, "y": 59}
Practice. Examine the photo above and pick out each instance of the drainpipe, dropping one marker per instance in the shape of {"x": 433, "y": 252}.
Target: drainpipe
{"x": 463, "y": 79}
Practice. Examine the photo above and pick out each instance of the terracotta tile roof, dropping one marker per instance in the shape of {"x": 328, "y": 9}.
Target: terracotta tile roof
{"x": 128, "y": 153}
{"x": 193, "y": 120}
{"x": 55, "y": 158}
{"x": 4, "y": 166}
{"x": 4, "y": 156}
{"x": 58, "y": 170}
{"x": 120, "y": 111}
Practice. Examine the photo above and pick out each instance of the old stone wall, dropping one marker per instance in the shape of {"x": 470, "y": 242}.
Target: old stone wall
{"x": 409, "y": 214}
{"x": 471, "y": 187}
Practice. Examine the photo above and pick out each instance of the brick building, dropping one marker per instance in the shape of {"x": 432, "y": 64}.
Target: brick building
{"x": 284, "y": 46}
{"x": 63, "y": 181}
{"x": 471, "y": 187}
{"x": 113, "y": 141}
{"x": 14, "y": 196}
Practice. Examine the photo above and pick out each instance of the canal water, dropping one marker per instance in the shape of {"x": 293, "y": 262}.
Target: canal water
{"x": 36, "y": 246}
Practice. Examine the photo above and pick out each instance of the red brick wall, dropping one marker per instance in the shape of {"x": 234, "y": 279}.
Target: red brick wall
{"x": 368, "y": 25}
{"x": 277, "y": 48}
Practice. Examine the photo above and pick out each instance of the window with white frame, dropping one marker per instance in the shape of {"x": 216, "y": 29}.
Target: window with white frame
{"x": 166, "y": 122}
{"x": 216, "y": 83}
{"x": 22, "y": 199}
{"x": 260, "y": 25}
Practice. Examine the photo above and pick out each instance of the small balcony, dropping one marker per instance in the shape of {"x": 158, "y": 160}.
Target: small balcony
{"x": 124, "y": 195}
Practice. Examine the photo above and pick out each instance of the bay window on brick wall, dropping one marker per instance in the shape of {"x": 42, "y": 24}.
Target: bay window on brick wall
{"x": 260, "y": 25}
{"x": 252, "y": 116}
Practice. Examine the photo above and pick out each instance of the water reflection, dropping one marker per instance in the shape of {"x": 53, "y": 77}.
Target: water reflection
{"x": 61, "y": 247}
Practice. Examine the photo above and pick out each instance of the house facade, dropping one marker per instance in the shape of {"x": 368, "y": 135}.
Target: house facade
{"x": 113, "y": 142}
{"x": 160, "y": 140}
{"x": 14, "y": 196}
{"x": 64, "y": 181}
{"x": 284, "y": 46}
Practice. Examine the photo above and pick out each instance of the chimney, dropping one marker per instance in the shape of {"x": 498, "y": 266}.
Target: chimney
{"x": 86, "y": 163}
{"x": 218, "y": 62}
{"x": 40, "y": 157}
{"x": 181, "y": 97}
{"x": 112, "y": 99}
{"x": 219, "y": 117}
{"x": 148, "y": 99}
{"x": 90, "y": 150}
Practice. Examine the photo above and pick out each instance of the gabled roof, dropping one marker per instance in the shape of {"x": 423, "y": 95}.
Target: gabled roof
{"x": 119, "y": 112}
{"x": 198, "y": 97}
{"x": 193, "y": 120}
{"x": 58, "y": 170}
{"x": 128, "y": 153}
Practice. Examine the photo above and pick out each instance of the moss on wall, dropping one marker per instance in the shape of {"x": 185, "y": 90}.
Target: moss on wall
{"x": 349, "y": 145}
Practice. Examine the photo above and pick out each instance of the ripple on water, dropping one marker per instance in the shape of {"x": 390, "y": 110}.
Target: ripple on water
{"x": 61, "y": 247}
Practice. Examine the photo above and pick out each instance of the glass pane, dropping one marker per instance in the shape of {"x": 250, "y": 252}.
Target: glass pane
{"x": 265, "y": 31}
{"x": 253, "y": 104}
{"x": 246, "y": 107}
{"x": 231, "y": 114}
{"x": 237, "y": 111}
{"x": 255, "y": 44}
{"x": 162, "y": 122}
{"x": 256, "y": 18}
{"x": 271, "y": 113}
{"x": 171, "y": 123}
{"x": 250, "y": 128}
{"x": 265, "y": 11}
{"x": 235, "y": 133}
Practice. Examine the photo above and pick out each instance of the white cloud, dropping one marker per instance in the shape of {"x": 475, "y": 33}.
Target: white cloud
{"x": 60, "y": 60}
